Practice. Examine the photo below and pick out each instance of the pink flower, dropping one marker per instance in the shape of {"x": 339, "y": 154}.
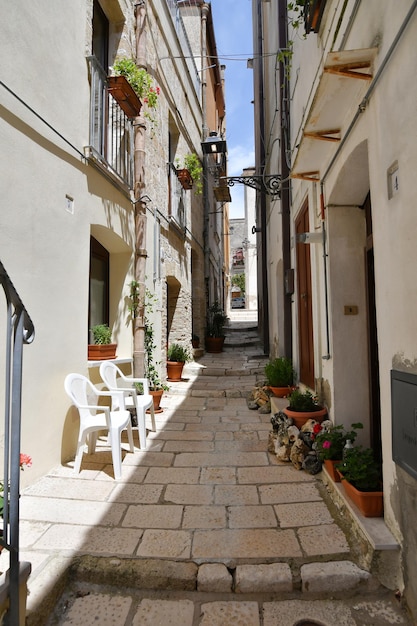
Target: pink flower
{"x": 25, "y": 459}
{"x": 326, "y": 444}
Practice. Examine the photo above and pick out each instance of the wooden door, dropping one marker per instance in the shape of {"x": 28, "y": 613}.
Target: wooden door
{"x": 305, "y": 312}
{"x": 373, "y": 354}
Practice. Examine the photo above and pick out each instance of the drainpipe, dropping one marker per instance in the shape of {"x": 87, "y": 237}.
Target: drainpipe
{"x": 140, "y": 205}
{"x": 285, "y": 174}
{"x": 205, "y": 131}
{"x": 263, "y": 322}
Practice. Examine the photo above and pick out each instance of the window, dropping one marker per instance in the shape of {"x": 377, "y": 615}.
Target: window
{"x": 98, "y": 306}
{"x": 111, "y": 130}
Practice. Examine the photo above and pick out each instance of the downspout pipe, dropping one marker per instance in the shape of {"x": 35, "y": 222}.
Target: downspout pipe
{"x": 205, "y": 131}
{"x": 263, "y": 273}
{"x": 140, "y": 206}
{"x": 285, "y": 190}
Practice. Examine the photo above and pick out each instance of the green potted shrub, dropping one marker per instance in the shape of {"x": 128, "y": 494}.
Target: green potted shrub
{"x": 361, "y": 476}
{"x": 142, "y": 84}
{"x": 102, "y": 349}
{"x": 280, "y": 374}
{"x": 216, "y": 320}
{"x": 329, "y": 446}
{"x": 303, "y": 405}
{"x": 190, "y": 174}
{"x": 177, "y": 356}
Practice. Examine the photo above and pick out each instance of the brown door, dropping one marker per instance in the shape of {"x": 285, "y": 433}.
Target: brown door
{"x": 305, "y": 315}
{"x": 373, "y": 355}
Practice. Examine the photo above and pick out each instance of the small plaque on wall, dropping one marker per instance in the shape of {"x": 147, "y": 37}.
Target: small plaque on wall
{"x": 404, "y": 420}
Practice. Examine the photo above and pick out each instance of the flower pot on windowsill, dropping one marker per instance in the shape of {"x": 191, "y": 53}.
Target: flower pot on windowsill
{"x": 301, "y": 417}
{"x": 102, "y": 352}
{"x": 369, "y": 503}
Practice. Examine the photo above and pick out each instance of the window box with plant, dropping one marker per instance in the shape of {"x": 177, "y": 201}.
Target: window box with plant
{"x": 191, "y": 173}
{"x": 216, "y": 320}
{"x": 361, "y": 476}
{"x": 140, "y": 82}
{"x": 329, "y": 445}
{"x": 177, "y": 356}
{"x": 280, "y": 375}
{"x": 303, "y": 405}
{"x": 102, "y": 349}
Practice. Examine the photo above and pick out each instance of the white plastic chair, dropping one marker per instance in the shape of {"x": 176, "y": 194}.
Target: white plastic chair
{"x": 115, "y": 380}
{"x": 94, "y": 418}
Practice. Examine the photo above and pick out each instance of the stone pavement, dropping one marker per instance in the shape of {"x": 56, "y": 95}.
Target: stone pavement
{"x": 204, "y": 528}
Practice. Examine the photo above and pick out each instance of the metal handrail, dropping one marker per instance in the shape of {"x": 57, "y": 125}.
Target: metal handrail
{"x": 20, "y": 330}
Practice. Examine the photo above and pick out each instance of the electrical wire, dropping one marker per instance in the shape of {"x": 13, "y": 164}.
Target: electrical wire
{"x": 43, "y": 120}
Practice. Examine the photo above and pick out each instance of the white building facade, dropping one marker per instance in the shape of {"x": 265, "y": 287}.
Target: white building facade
{"x": 91, "y": 200}
{"x": 340, "y": 241}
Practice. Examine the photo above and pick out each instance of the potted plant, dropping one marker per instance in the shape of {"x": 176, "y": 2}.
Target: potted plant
{"x": 190, "y": 173}
{"x": 303, "y": 405}
{"x": 216, "y": 320}
{"x": 156, "y": 386}
{"x": 140, "y": 81}
{"x": 329, "y": 444}
{"x": 362, "y": 480}
{"x": 195, "y": 341}
{"x": 177, "y": 356}
{"x": 279, "y": 374}
{"x": 102, "y": 349}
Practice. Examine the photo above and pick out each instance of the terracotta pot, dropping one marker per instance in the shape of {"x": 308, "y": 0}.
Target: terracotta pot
{"x": 185, "y": 179}
{"x": 102, "y": 352}
{"x": 156, "y": 397}
{"x": 370, "y": 503}
{"x": 280, "y": 392}
{"x": 125, "y": 96}
{"x": 330, "y": 466}
{"x": 174, "y": 371}
{"x": 301, "y": 417}
{"x": 214, "y": 344}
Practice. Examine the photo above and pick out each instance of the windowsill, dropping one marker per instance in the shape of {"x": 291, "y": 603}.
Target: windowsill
{"x": 105, "y": 168}
{"x": 116, "y": 360}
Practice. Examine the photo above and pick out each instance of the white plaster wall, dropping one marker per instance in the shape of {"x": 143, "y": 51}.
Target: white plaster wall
{"x": 45, "y": 248}
{"x": 382, "y": 135}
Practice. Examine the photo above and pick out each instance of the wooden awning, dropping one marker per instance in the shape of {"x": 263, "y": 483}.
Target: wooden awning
{"x": 343, "y": 83}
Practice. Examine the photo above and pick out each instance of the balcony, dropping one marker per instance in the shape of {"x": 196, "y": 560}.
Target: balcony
{"x": 111, "y": 146}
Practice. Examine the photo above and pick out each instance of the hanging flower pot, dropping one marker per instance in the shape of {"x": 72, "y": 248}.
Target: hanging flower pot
{"x": 185, "y": 179}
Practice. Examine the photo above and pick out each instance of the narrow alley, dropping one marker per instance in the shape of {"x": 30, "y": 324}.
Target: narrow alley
{"x": 205, "y": 527}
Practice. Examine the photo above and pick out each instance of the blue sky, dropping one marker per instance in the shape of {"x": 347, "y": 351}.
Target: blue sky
{"x": 233, "y": 30}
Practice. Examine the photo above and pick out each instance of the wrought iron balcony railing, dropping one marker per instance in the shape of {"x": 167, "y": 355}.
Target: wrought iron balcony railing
{"x": 111, "y": 144}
